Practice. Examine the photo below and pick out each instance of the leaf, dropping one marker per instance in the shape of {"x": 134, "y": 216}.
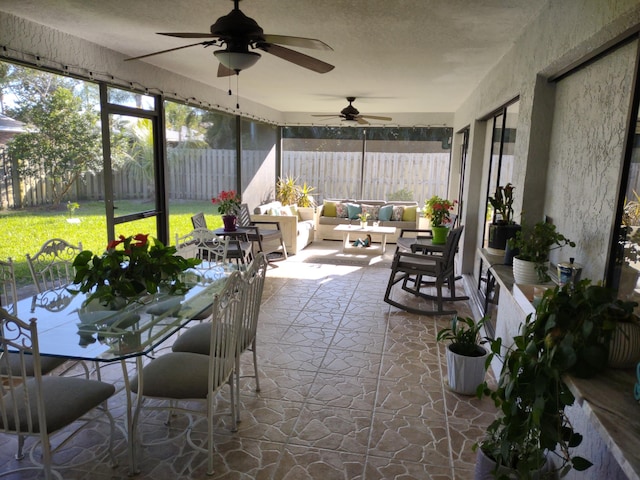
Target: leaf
{"x": 580, "y": 464}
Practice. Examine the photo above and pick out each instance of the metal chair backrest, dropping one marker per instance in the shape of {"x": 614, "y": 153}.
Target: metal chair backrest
{"x": 52, "y": 266}
{"x": 8, "y": 291}
{"x": 253, "y": 280}
{"x": 244, "y": 219}
{"x": 203, "y": 244}
{"x": 198, "y": 220}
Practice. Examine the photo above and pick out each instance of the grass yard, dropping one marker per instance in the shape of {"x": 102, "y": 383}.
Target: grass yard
{"x": 24, "y": 231}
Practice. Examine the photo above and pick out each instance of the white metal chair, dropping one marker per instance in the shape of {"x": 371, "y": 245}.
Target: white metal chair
{"x": 196, "y": 339}
{"x": 184, "y": 378}
{"x": 202, "y": 243}
{"x": 52, "y": 266}
{"x": 39, "y": 406}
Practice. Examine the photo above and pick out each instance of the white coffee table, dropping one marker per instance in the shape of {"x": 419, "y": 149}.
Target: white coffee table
{"x": 358, "y": 232}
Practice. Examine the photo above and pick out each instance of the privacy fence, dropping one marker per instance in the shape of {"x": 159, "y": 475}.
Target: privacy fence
{"x": 198, "y": 174}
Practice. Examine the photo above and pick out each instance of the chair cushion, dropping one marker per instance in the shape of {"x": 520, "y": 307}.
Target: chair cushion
{"x": 47, "y": 364}
{"x": 179, "y": 375}
{"x": 197, "y": 338}
{"x": 66, "y": 400}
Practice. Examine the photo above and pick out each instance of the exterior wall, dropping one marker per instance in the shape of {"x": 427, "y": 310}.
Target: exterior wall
{"x": 563, "y": 33}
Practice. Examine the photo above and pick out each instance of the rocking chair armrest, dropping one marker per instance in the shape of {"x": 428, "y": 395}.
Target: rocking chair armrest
{"x": 428, "y": 233}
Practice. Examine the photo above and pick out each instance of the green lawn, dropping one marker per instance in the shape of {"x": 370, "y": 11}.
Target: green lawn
{"x": 24, "y": 231}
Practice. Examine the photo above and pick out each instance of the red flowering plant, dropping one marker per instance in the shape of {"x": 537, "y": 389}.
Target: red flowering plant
{"x": 437, "y": 210}
{"x": 129, "y": 267}
{"x": 228, "y": 202}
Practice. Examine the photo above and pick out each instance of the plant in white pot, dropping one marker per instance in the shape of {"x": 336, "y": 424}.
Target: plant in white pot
{"x": 466, "y": 357}
{"x": 533, "y": 243}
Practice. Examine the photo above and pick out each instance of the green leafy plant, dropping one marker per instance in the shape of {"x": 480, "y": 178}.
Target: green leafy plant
{"x": 305, "y": 199}
{"x": 289, "y": 192}
{"x": 534, "y": 244}
{"x": 72, "y": 207}
{"x": 438, "y": 210}
{"x": 128, "y": 268}
{"x": 464, "y": 335}
{"x": 502, "y": 203}
{"x": 569, "y": 334}
{"x": 363, "y": 217}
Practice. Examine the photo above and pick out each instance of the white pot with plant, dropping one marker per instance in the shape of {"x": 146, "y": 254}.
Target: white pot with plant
{"x": 466, "y": 357}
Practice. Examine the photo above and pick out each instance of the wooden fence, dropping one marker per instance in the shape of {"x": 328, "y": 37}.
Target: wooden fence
{"x": 197, "y": 174}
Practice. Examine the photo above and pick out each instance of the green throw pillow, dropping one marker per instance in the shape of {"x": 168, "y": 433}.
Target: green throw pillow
{"x": 329, "y": 209}
{"x": 385, "y": 213}
{"x": 409, "y": 214}
{"x": 354, "y": 210}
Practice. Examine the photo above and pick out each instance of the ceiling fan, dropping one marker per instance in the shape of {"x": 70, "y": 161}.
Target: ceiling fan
{"x": 351, "y": 114}
{"x": 237, "y": 33}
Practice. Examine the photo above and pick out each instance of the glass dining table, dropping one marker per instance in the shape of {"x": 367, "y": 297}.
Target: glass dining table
{"x": 68, "y": 328}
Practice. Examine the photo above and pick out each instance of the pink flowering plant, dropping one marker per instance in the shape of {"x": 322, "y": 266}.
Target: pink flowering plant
{"x": 438, "y": 210}
{"x": 228, "y": 202}
{"x": 129, "y": 267}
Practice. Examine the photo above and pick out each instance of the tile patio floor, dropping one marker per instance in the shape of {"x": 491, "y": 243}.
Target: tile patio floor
{"x": 352, "y": 388}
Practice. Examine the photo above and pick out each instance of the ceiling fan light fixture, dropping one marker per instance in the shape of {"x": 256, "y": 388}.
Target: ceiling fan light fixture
{"x": 237, "y": 61}
{"x": 350, "y": 123}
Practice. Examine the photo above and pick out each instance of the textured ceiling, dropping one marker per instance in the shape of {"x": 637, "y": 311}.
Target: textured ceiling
{"x": 395, "y": 56}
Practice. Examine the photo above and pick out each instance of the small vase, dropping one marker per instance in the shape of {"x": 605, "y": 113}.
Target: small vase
{"x": 230, "y": 223}
{"x": 363, "y": 225}
{"x": 439, "y": 235}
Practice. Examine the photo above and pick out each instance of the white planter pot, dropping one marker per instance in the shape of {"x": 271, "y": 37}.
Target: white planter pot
{"x": 525, "y": 272}
{"x": 485, "y": 467}
{"x": 624, "y": 347}
{"x": 465, "y": 373}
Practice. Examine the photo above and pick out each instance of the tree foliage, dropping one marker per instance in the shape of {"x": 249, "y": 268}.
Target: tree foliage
{"x": 64, "y": 140}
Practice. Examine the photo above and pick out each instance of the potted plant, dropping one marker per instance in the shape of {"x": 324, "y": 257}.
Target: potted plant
{"x": 228, "y": 203}
{"x": 128, "y": 268}
{"x": 305, "y": 199}
{"x": 466, "y": 357}
{"x": 437, "y": 210}
{"x": 533, "y": 244}
{"x": 363, "y": 217}
{"x": 287, "y": 190}
{"x": 502, "y": 227}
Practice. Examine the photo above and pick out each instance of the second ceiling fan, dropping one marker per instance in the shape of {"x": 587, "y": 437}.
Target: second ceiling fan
{"x": 352, "y": 115}
{"x": 238, "y": 33}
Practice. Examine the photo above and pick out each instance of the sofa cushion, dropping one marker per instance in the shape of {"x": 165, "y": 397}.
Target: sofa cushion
{"x": 409, "y": 214}
{"x": 396, "y": 215}
{"x": 342, "y": 211}
{"x": 332, "y": 220}
{"x": 354, "y": 209}
{"x": 385, "y": 212}
{"x": 329, "y": 208}
{"x": 264, "y": 209}
{"x": 372, "y": 210}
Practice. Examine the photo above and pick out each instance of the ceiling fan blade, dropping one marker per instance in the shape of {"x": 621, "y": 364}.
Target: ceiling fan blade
{"x": 188, "y": 34}
{"x": 374, "y": 117}
{"x": 296, "y": 41}
{"x": 296, "y": 57}
{"x": 165, "y": 51}
{"x": 224, "y": 71}
{"x": 361, "y": 121}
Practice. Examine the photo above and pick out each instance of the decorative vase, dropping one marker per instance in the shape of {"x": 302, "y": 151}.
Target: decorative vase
{"x": 363, "y": 225}
{"x": 439, "y": 235}
{"x": 465, "y": 373}
{"x": 230, "y": 223}
{"x": 524, "y": 272}
{"x": 500, "y": 234}
{"x": 624, "y": 346}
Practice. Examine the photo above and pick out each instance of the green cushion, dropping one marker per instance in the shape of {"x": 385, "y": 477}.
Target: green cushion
{"x": 197, "y": 339}
{"x": 409, "y": 214}
{"x": 385, "y": 213}
{"x": 354, "y": 210}
{"x": 329, "y": 209}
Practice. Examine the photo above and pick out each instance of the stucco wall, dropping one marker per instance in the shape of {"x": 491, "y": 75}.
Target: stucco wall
{"x": 563, "y": 33}
{"x": 586, "y": 153}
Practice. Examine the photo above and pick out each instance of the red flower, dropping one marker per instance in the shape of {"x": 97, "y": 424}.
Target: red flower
{"x": 228, "y": 202}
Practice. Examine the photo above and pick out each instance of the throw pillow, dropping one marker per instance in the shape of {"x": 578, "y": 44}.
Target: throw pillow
{"x": 398, "y": 210}
{"x": 342, "y": 211}
{"x": 329, "y": 209}
{"x": 274, "y": 211}
{"x": 294, "y": 210}
{"x": 384, "y": 215}
{"x": 354, "y": 210}
{"x": 409, "y": 214}
{"x": 372, "y": 210}
{"x": 286, "y": 210}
